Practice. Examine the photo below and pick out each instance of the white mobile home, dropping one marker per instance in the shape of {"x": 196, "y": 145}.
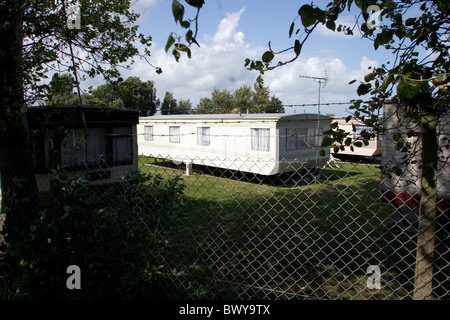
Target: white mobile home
{"x": 405, "y": 189}
{"x": 355, "y": 127}
{"x": 264, "y": 144}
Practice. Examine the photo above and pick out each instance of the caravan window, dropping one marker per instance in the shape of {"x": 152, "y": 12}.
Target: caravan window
{"x": 122, "y": 149}
{"x": 260, "y": 139}
{"x": 174, "y": 134}
{"x": 97, "y": 147}
{"x": 358, "y": 132}
{"x": 300, "y": 138}
{"x": 79, "y": 149}
{"x": 203, "y": 136}
{"x": 148, "y": 133}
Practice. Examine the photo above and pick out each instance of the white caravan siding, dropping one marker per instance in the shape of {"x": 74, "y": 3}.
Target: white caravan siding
{"x": 405, "y": 189}
{"x": 248, "y": 142}
{"x": 371, "y": 150}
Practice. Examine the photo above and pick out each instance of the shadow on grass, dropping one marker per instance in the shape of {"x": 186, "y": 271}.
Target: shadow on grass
{"x": 258, "y": 241}
{"x": 291, "y": 179}
{"x": 255, "y": 249}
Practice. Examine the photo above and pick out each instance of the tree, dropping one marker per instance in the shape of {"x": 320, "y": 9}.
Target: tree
{"x": 244, "y": 99}
{"x": 133, "y": 93}
{"x": 262, "y": 102}
{"x": 418, "y": 78}
{"x": 61, "y": 90}
{"x": 260, "y": 95}
{"x": 107, "y": 95}
{"x": 169, "y": 104}
{"x": 205, "y": 106}
{"x": 275, "y": 105}
{"x": 36, "y": 37}
{"x": 184, "y": 106}
{"x": 222, "y": 101}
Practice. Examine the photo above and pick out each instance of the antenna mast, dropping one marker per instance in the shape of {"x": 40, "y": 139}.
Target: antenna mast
{"x": 319, "y": 80}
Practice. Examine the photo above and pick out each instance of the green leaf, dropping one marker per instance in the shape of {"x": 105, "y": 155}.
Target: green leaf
{"x": 369, "y": 77}
{"x": 363, "y": 89}
{"x": 387, "y": 82}
{"x": 267, "y": 56}
{"x": 407, "y": 90}
{"x": 327, "y": 141}
{"x": 396, "y": 136}
{"x": 196, "y": 3}
{"x": 170, "y": 42}
{"x": 440, "y": 79}
{"x": 176, "y": 54}
{"x": 383, "y": 38}
{"x": 353, "y": 81}
{"x": 307, "y": 14}
{"x": 322, "y": 153}
{"x": 348, "y": 141}
{"x": 291, "y": 29}
{"x": 331, "y": 25}
{"x": 185, "y": 24}
{"x": 334, "y": 125}
{"x": 297, "y": 47}
{"x": 177, "y": 10}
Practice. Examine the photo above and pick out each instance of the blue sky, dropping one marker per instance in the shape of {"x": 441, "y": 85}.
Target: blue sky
{"x": 232, "y": 30}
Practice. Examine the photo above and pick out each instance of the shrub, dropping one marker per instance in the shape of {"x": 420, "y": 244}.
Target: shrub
{"x": 113, "y": 235}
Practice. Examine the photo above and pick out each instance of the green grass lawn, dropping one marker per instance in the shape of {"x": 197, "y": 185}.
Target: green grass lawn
{"x": 314, "y": 241}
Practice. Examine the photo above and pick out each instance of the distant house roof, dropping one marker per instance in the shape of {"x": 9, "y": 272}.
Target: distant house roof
{"x": 92, "y": 116}
{"x": 242, "y": 116}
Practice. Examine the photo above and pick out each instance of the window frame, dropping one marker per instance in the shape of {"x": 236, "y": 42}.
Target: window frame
{"x": 256, "y": 139}
{"x": 148, "y": 136}
{"x": 203, "y": 136}
{"x": 174, "y": 137}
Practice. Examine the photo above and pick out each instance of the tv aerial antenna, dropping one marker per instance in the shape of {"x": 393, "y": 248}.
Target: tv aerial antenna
{"x": 320, "y": 81}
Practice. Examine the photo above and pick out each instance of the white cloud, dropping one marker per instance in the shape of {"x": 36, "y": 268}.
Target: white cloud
{"x": 217, "y": 63}
{"x": 226, "y": 31}
{"x": 365, "y": 64}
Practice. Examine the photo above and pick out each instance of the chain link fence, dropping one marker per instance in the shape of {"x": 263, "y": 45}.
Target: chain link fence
{"x": 299, "y": 234}
{"x": 189, "y": 230}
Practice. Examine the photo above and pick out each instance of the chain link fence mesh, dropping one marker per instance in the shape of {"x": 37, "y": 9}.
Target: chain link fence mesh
{"x": 218, "y": 233}
{"x": 296, "y": 235}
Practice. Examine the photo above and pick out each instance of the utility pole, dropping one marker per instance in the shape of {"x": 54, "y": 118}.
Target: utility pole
{"x": 319, "y": 80}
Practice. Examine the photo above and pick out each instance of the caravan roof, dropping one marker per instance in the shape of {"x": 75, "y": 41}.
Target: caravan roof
{"x": 235, "y": 116}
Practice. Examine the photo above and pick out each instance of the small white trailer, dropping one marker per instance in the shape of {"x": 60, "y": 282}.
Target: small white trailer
{"x": 265, "y": 144}
{"x": 355, "y": 127}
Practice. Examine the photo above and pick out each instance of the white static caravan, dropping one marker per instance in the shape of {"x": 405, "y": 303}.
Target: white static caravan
{"x": 372, "y": 150}
{"x": 404, "y": 190}
{"x": 265, "y": 144}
